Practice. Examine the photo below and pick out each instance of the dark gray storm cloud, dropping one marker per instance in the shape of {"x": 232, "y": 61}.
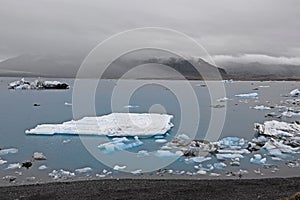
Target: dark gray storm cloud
{"x": 224, "y": 27}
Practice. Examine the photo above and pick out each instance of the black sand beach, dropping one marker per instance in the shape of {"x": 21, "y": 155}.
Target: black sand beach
{"x": 274, "y": 188}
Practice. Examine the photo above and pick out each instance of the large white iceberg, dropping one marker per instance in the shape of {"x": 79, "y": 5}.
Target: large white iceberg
{"x": 37, "y": 84}
{"x": 114, "y": 124}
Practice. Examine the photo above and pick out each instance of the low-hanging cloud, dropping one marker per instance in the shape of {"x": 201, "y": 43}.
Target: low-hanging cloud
{"x": 263, "y": 59}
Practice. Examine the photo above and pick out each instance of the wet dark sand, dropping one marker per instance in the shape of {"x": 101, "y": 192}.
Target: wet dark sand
{"x": 274, "y": 188}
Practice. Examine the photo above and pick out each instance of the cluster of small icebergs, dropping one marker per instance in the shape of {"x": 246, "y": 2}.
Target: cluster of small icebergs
{"x": 36, "y": 85}
{"x": 37, "y": 156}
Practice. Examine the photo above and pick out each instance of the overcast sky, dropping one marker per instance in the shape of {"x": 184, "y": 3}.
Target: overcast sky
{"x": 225, "y": 27}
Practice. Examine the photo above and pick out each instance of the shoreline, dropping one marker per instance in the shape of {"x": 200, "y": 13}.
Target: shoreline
{"x": 161, "y": 79}
{"x": 268, "y": 188}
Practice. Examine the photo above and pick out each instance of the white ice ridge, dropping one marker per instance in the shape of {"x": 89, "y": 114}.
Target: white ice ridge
{"x": 114, "y": 124}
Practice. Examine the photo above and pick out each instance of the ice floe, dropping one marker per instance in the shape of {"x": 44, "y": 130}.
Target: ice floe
{"x": 118, "y": 144}
{"x": 114, "y": 124}
{"x": 8, "y": 151}
{"x": 37, "y": 84}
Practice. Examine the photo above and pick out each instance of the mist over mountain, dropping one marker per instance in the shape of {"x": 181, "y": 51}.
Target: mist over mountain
{"x": 261, "y": 71}
{"x": 30, "y": 65}
{"x": 67, "y": 67}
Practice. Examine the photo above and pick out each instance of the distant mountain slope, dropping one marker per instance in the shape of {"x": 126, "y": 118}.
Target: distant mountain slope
{"x": 59, "y": 66}
{"x": 261, "y": 71}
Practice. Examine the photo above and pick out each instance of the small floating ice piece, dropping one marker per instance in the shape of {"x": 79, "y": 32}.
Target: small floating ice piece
{"x": 66, "y": 141}
{"x": 2, "y": 161}
{"x": 143, "y": 153}
{"x": 201, "y": 172}
{"x": 232, "y": 143}
{"x": 250, "y": 95}
{"x": 83, "y": 170}
{"x": 119, "y": 144}
{"x": 223, "y": 99}
{"x": 136, "y": 172}
{"x": 261, "y": 107}
{"x": 8, "y": 151}
{"x": 39, "y": 156}
{"x": 228, "y": 156}
{"x": 290, "y": 114}
{"x": 131, "y": 106}
{"x": 214, "y": 174}
{"x": 42, "y": 167}
{"x": 9, "y": 178}
{"x": 167, "y": 154}
{"x": 68, "y": 104}
{"x": 118, "y": 167}
{"x": 114, "y": 124}
{"x": 161, "y": 141}
{"x": 295, "y": 93}
{"x": 200, "y": 159}
{"x": 264, "y": 86}
{"x": 14, "y": 166}
{"x": 258, "y": 159}
{"x": 219, "y": 165}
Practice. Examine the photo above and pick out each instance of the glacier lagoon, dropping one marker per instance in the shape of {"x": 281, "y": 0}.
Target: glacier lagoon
{"x": 66, "y": 152}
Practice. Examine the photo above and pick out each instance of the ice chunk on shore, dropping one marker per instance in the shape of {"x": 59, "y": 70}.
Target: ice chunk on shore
{"x": 61, "y": 174}
{"x": 118, "y": 144}
{"x": 114, "y": 124}
{"x": 8, "y": 151}
{"x": 250, "y": 95}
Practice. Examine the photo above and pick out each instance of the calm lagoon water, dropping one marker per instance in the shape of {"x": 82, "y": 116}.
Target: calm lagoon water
{"x": 18, "y": 114}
